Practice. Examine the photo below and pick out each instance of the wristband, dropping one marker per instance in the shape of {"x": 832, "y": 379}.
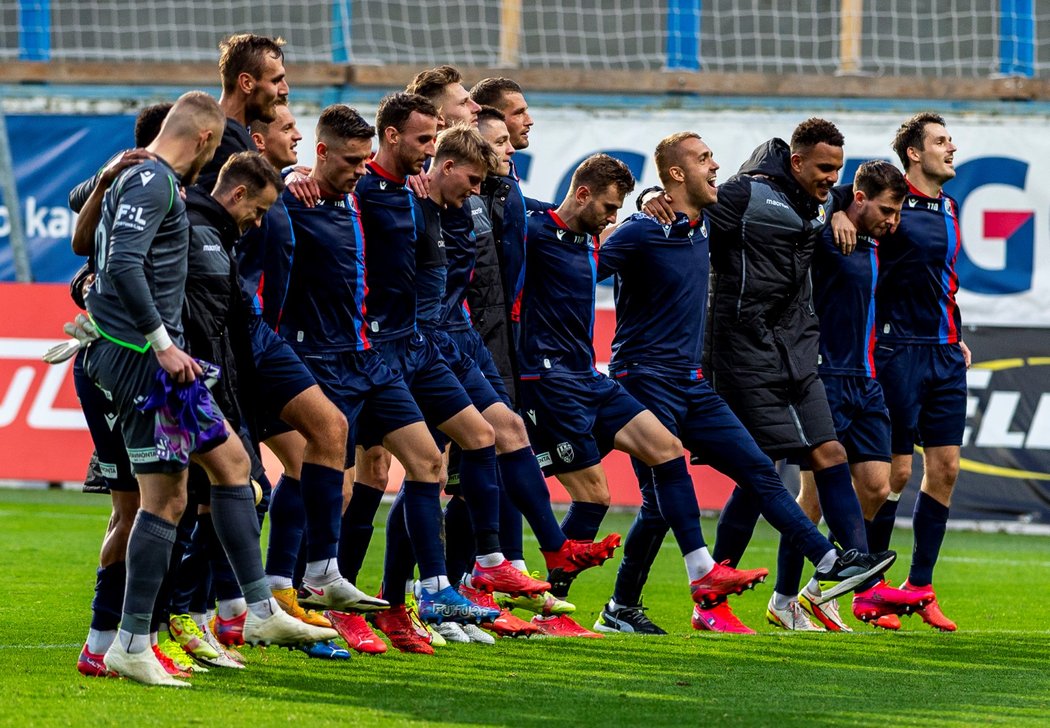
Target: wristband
{"x": 159, "y": 339}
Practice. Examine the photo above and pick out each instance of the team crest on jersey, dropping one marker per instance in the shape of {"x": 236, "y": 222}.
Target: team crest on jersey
{"x": 822, "y": 215}
{"x": 949, "y": 207}
{"x": 703, "y": 228}
{"x": 565, "y": 452}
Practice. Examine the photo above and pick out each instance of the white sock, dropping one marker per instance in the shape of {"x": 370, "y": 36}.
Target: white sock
{"x": 698, "y": 563}
{"x": 99, "y": 641}
{"x": 230, "y": 608}
{"x": 828, "y": 561}
{"x": 813, "y": 587}
{"x": 782, "y": 602}
{"x": 153, "y": 638}
{"x": 489, "y": 561}
{"x": 321, "y": 572}
{"x": 520, "y": 565}
{"x": 893, "y": 496}
{"x": 134, "y": 643}
{"x": 434, "y": 584}
{"x": 279, "y": 582}
{"x": 265, "y": 609}
{"x": 199, "y": 618}
{"x": 614, "y": 605}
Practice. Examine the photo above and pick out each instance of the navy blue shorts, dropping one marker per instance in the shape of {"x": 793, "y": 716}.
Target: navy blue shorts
{"x": 925, "y": 390}
{"x": 471, "y": 344}
{"x": 434, "y": 387}
{"x": 572, "y": 420}
{"x": 126, "y": 378}
{"x": 861, "y": 418}
{"x": 366, "y": 391}
{"x": 279, "y": 377}
{"x": 105, "y": 432}
{"x": 477, "y": 385}
{"x": 708, "y": 429}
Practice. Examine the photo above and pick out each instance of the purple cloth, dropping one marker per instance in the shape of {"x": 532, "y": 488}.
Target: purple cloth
{"x": 186, "y": 418}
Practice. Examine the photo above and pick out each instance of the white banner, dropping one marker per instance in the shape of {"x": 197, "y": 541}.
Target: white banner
{"x": 1004, "y": 267}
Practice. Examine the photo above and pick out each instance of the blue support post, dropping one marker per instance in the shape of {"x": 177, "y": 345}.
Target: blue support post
{"x": 683, "y": 34}
{"x": 34, "y": 30}
{"x": 341, "y": 15}
{"x": 1016, "y": 38}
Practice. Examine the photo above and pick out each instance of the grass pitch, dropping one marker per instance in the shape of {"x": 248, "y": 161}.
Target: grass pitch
{"x": 996, "y": 669}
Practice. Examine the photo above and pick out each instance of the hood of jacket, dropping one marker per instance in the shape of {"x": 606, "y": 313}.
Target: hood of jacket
{"x": 772, "y": 159}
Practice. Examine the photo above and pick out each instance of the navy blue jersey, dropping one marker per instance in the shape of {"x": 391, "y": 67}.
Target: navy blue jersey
{"x": 264, "y": 263}
{"x": 557, "y": 304}
{"x": 917, "y": 278}
{"x": 513, "y": 240}
{"x": 323, "y": 309}
{"x": 461, "y": 254}
{"x": 388, "y": 215}
{"x": 844, "y": 299}
{"x": 431, "y": 266}
{"x": 660, "y": 291}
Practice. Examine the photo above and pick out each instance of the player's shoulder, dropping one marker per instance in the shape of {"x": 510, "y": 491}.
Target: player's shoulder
{"x": 149, "y": 179}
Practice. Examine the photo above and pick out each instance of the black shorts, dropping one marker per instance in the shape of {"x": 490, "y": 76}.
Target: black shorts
{"x": 371, "y": 396}
{"x": 127, "y": 378}
{"x": 572, "y": 420}
{"x": 101, "y": 417}
{"x": 786, "y": 420}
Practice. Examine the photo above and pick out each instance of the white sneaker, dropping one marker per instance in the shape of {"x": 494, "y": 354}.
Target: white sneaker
{"x": 281, "y": 629}
{"x": 826, "y": 613}
{"x": 339, "y": 595}
{"x": 141, "y": 667}
{"x": 224, "y": 659}
{"x": 792, "y": 618}
{"x": 451, "y": 631}
{"x": 477, "y": 634}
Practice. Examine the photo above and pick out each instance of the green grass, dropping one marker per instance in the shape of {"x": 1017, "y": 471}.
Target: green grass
{"x": 994, "y": 670}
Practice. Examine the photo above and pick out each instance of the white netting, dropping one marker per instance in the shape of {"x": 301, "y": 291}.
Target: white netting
{"x": 894, "y": 37}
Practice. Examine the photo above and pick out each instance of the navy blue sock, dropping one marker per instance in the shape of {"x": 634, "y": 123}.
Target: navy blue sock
{"x": 736, "y": 525}
{"x": 300, "y": 563}
{"x": 109, "y": 596}
{"x": 790, "y": 565}
{"x": 880, "y": 528}
{"x": 678, "y": 506}
{"x": 459, "y": 540}
{"x": 930, "y": 520}
{"x": 838, "y": 502}
{"x": 356, "y": 532}
{"x": 511, "y": 537}
{"x": 422, "y": 511}
{"x": 191, "y": 569}
{"x": 642, "y": 543}
{"x": 477, "y": 481}
{"x": 223, "y": 580}
{"x": 263, "y": 506}
{"x": 322, "y": 489}
{"x": 524, "y": 484}
{"x": 398, "y": 561}
{"x": 287, "y": 523}
{"x": 583, "y": 520}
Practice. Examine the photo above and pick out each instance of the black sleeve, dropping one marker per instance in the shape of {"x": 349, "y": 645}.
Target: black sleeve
{"x": 532, "y": 205}
{"x": 76, "y": 286}
{"x": 639, "y": 200}
{"x": 79, "y": 195}
{"x": 733, "y": 198}
{"x": 841, "y": 196}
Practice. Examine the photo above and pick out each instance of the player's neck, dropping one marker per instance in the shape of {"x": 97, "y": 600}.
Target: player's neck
{"x": 386, "y": 161}
{"x": 327, "y": 191}
{"x": 234, "y": 108}
{"x": 174, "y": 152}
{"x": 569, "y": 215}
{"x": 925, "y": 185}
{"x": 435, "y": 193}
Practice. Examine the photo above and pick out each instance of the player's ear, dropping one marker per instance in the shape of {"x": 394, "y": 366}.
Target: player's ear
{"x": 322, "y": 150}
{"x": 677, "y": 174}
{"x": 447, "y": 166}
{"x": 796, "y": 162}
{"x": 239, "y": 193}
{"x": 245, "y": 82}
{"x": 260, "y": 143}
{"x": 859, "y": 197}
{"x": 391, "y": 135}
{"x": 583, "y": 195}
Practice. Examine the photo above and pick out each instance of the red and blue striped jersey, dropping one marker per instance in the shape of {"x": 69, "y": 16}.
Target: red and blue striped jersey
{"x": 844, "y": 299}
{"x": 388, "y": 215}
{"x": 557, "y": 304}
{"x": 324, "y": 307}
{"x": 917, "y": 277}
{"x": 660, "y": 290}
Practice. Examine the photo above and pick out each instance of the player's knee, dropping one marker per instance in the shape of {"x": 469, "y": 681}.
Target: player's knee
{"x": 664, "y": 449}
{"x": 480, "y": 434}
{"x": 511, "y": 435}
{"x": 426, "y": 466}
{"x": 828, "y": 455}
